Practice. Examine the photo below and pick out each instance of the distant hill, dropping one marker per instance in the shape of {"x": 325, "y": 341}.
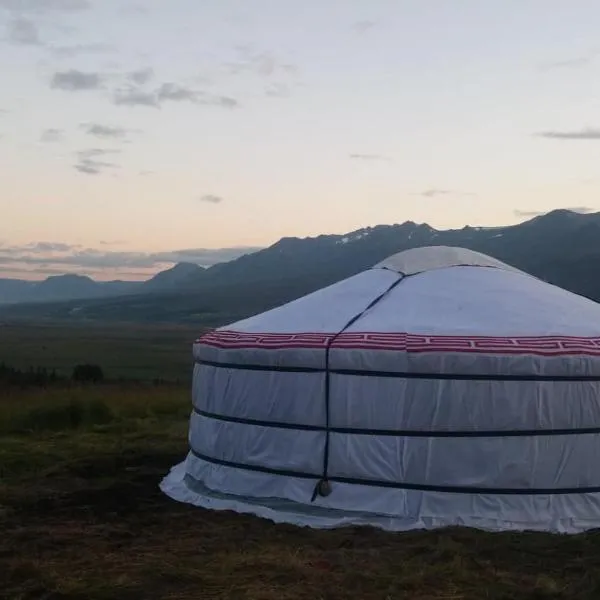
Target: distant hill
{"x": 561, "y": 247}
{"x": 177, "y": 276}
{"x": 79, "y": 287}
{"x": 61, "y": 287}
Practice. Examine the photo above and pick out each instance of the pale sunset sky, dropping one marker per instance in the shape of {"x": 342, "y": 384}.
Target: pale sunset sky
{"x": 137, "y": 133}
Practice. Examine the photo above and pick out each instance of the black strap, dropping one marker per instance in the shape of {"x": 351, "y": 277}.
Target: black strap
{"x": 353, "y": 320}
{"x": 400, "y": 374}
{"x": 484, "y": 433}
{"x": 423, "y": 487}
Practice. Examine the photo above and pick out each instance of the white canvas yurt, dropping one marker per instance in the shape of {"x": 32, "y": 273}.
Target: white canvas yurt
{"x": 440, "y": 387}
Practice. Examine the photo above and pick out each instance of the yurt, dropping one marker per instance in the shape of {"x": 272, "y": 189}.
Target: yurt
{"x": 439, "y": 387}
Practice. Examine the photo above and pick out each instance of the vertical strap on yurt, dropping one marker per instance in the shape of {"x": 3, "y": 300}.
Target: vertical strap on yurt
{"x": 323, "y": 487}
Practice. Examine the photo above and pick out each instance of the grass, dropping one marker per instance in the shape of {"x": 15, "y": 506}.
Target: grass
{"x": 82, "y": 518}
{"x": 123, "y": 351}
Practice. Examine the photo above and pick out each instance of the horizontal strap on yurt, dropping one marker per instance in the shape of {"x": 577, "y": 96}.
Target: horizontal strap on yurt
{"x": 422, "y": 487}
{"x": 398, "y": 374}
{"x": 398, "y": 432}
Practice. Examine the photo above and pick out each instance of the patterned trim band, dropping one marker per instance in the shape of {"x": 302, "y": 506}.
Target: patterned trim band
{"x": 405, "y": 342}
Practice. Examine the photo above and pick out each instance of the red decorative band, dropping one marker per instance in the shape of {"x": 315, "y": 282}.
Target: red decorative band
{"x": 405, "y": 342}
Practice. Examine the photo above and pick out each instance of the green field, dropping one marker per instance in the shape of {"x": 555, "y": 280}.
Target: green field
{"x": 82, "y": 518}
{"x": 124, "y": 351}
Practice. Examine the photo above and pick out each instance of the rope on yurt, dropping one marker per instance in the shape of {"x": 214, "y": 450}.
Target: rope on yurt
{"x": 323, "y": 487}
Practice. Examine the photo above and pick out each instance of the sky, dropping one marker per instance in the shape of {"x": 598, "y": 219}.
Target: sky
{"x": 138, "y": 133}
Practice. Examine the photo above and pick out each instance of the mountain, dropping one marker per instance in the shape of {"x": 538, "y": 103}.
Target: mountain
{"x": 61, "y": 288}
{"x": 176, "y": 276}
{"x": 561, "y": 247}
{"x": 79, "y": 287}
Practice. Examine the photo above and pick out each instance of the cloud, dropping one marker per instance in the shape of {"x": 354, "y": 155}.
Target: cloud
{"x": 363, "y": 26}
{"x": 67, "y": 256}
{"x": 588, "y": 133}
{"x": 176, "y": 93}
{"x": 584, "y": 210}
{"x": 23, "y": 31}
{"x": 537, "y": 213}
{"x": 528, "y": 213}
{"x": 135, "y": 97}
{"x": 222, "y": 101}
{"x": 88, "y": 161}
{"x": 571, "y": 63}
{"x": 134, "y": 10}
{"x": 262, "y": 63}
{"x": 211, "y": 199}
{"x": 50, "y": 247}
{"x": 141, "y": 76}
{"x": 357, "y": 156}
{"x": 45, "y": 5}
{"x": 112, "y": 242}
{"x": 52, "y": 135}
{"x": 105, "y": 131}
{"x": 79, "y": 49}
{"x": 433, "y": 193}
{"x": 75, "y": 81}
{"x": 170, "y": 92}
{"x": 278, "y": 90}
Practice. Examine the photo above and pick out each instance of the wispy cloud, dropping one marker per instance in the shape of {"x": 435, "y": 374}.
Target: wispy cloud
{"x": 24, "y": 32}
{"x": 141, "y": 76}
{"x": 105, "y": 131}
{"x": 259, "y": 62}
{"x": 75, "y": 81}
{"x": 52, "y": 135}
{"x": 584, "y": 210}
{"x": 80, "y": 49}
{"x": 211, "y": 199}
{"x": 176, "y": 93}
{"x": 37, "y": 247}
{"x": 66, "y": 257}
{"x": 136, "y": 97}
{"x": 363, "y": 26}
{"x": 112, "y": 242}
{"x": 435, "y": 192}
{"x": 90, "y": 161}
{"x": 375, "y": 157}
{"x": 170, "y": 92}
{"x": 528, "y": 213}
{"x": 571, "y": 63}
{"x": 45, "y": 5}
{"x": 135, "y": 10}
{"x": 536, "y": 213}
{"x": 588, "y": 133}
{"x": 278, "y": 90}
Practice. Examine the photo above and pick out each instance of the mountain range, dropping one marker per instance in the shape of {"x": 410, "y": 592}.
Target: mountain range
{"x": 561, "y": 247}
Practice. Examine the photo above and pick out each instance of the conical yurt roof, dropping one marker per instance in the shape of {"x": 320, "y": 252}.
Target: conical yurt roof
{"x": 423, "y": 292}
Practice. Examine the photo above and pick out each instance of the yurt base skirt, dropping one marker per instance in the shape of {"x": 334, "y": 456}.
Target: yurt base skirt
{"x": 218, "y": 487}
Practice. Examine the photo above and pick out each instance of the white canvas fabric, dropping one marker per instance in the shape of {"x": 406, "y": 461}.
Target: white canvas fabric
{"x": 418, "y": 260}
{"x": 463, "y": 393}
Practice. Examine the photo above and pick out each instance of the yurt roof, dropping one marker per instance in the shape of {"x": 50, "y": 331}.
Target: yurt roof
{"x": 419, "y": 260}
{"x": 437, "y": 294}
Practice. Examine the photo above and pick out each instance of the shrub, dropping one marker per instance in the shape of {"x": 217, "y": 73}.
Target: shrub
{"x": 87, "y": 373}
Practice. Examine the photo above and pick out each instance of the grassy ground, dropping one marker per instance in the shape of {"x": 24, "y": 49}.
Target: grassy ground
{"x": 123, "y": 351}
{"x": 82, "y": 518}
